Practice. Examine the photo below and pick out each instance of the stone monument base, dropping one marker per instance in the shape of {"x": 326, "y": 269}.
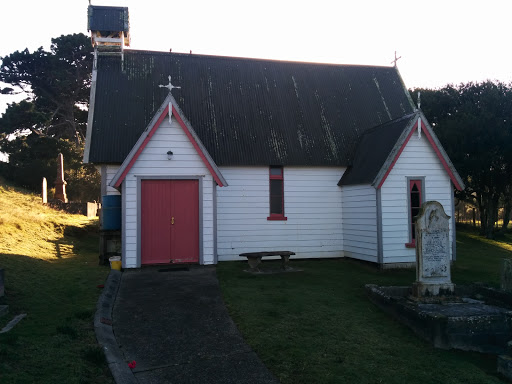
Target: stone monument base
{"x": 505, "y": 366}
{"x": 420, "y": 289}
{"x": 460, "y": 321}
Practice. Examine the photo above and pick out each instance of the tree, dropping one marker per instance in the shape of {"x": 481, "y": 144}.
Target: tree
{"x": 53, "y": 117}
{"x": 474, "y": 123}
{"x": 57, "y": 83}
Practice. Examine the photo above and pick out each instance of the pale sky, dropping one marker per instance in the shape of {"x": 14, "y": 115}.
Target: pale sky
{"x": 440, "y": 42}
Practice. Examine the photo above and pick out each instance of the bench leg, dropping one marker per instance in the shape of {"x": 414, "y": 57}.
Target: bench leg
{"x": 284, "y": 261}
{"x": 254, "y": 262}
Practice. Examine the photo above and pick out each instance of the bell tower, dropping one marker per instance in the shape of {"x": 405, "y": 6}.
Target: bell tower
{"x": 109, "y": 26}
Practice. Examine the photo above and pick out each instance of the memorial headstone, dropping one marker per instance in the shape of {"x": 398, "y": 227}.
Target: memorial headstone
{"x": 60, "y": 183}
{"x": 45, "y": 191}
{"x": 433, "y": 275}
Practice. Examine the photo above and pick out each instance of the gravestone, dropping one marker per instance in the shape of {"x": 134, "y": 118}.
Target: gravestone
{"x": 60, "y": 183}
{"x": 45, "y": 191}
{"x": 433, "y": 275}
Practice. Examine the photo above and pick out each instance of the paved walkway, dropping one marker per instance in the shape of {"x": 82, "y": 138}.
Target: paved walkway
{"x": 175, "y": 326}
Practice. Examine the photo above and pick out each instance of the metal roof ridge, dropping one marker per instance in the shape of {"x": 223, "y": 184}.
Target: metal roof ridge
{"x": 107, "y": 7}
{"x": 185, "y": 54}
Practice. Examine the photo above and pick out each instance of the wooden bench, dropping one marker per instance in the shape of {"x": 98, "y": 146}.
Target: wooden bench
{"x": 254, "y": 258}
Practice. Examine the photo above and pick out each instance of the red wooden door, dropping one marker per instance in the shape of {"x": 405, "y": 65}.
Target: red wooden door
{"x": 185, "y": 221}
{"x": 155, "y": 222}
{"x": 170, "y": 221}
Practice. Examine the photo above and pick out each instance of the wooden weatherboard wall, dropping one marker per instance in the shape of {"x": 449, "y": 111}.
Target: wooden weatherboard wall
{"x": 153, "y": 163}
{"x": 418, "y": 160}
{"x": 312, "y": 205}
{"x": 360, "y": 222}
{"x": 108, "y": 172}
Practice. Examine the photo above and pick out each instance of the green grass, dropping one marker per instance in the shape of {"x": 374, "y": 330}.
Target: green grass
{"x": 318, "y": 326}
{"x": 479, "y": 259}
{"x": 51, "y": 274}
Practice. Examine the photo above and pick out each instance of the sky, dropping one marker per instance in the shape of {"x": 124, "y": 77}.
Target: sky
{"x": 440, "y": 42}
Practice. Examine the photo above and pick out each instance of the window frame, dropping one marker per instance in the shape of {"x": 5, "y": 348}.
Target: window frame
{"x": 420, "y": 181}
{"x": 276, "y": 216}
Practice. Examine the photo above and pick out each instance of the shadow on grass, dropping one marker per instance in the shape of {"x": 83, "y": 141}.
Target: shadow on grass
{"x": 56, "y": 339}
{"x": 76, "y": 240}
{"x": 79, "y": 232}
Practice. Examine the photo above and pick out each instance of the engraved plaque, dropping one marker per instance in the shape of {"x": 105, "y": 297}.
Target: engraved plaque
{"x": 433, "y": 242}
{"x": 435, "y": 254}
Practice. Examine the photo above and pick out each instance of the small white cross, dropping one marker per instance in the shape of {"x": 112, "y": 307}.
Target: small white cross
{"x": 169, "y": 86}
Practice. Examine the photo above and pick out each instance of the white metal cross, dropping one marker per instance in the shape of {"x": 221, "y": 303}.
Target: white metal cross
{"x": 169, "y": 86}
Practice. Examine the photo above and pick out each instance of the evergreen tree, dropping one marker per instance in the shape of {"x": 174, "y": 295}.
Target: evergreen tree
{"x": 474, "y": 123}
{"x": 52, "y": 118}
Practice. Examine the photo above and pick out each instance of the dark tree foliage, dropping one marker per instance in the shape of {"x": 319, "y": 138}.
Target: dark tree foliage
{"x": 57, "y": 83}
{"x": 474, "y": 123}
{"x": 52, "y": 119}
{"x": 21, "y": 117}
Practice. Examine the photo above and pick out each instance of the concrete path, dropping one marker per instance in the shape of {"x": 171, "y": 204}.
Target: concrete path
{"x": 175, "y": 326}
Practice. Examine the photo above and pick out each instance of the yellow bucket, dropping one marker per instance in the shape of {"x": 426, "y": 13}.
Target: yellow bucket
{"x": 115, "y": 262}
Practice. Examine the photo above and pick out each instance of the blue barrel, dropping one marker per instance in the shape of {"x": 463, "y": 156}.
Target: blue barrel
{"x": 111, "y": 212}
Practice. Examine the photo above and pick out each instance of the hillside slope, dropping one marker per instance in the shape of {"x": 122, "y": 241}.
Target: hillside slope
{"x": 29, "y": 228}
{"x": 51, "y": 268}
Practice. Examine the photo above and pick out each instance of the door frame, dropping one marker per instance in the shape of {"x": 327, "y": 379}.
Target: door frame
{"x": 139, "y": 210}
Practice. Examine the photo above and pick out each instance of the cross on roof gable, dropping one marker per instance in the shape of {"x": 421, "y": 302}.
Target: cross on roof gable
{"x": 168, "y": 108}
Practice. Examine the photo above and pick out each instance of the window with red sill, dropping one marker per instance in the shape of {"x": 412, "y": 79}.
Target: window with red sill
{"x": 276, "y": 193}
{"x": 415, "y": 200}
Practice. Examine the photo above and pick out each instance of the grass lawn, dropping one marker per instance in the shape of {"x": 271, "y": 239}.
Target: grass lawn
{"x": 318, "y": 326}
{"x": 51, "y": 274}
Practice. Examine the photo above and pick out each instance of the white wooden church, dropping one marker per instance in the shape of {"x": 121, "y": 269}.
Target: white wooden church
{"x": 215, "y": 156}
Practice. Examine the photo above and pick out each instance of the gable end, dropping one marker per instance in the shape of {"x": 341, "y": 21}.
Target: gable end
{"x": 167, "y": 109}
{"x": 436, "y": 146}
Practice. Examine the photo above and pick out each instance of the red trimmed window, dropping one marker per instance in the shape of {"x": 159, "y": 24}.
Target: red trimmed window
{"x": 415, "y": 201}
{"x": 276, "y": 188}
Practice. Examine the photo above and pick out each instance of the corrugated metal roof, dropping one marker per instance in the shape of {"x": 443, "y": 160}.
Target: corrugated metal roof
{"x": 373, "y": 149}
{"x": 246, "y": 111}
{"x": 113, "y": 19}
